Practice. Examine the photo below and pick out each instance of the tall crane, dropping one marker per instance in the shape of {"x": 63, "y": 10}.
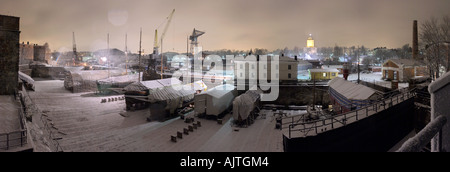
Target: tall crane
{"x": 194, "y": 39}
{"x": 158, "y": 42}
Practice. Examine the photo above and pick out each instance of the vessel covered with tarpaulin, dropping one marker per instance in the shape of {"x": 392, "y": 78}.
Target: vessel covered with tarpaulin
{"x": 117, "y": 82}
{"x": 350, "y": 96}
{"x": 172, "y": 97}
{"x": 86, "y": 80}
{"x": 215, "y": 101}
{"x": 136, "y": 94}
{"x": 244, "y": 106}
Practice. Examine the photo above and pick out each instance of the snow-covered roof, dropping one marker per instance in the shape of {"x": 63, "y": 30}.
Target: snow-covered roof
{"x": 406, "y": 62}
{"x": 220, "y": 90}
{"x": 332, "y": 66}
{"x": 323, "y": 70}
{"x": 350, "y": 90}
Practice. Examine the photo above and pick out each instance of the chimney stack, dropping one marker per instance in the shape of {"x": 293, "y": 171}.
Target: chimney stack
{"x": 415, "y": 46}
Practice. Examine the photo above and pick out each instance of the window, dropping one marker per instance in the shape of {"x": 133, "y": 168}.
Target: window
{"x": 242, "y": 66}
{"x": 289, "y": 76}
{"x": 265, "y": 66}
{"x": 253, "y": 66}
{"x": 253, "y": 75}
{"x": 395, "y": 75}
{"x": 289, "y": 67}
{"x": 277, "y": 76}
{"x": 241, "y": 75}
{"x": 324, "y": 74}
{"x": 277, "y": 67}
{"x": 333, "y": 74}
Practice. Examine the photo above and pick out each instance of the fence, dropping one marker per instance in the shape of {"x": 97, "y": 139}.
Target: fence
{"x": 302, "y": 128}
{"x": 15, "y": 138}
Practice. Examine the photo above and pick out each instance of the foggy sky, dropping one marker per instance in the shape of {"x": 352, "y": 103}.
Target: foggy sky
{"x": 229, "y": 24}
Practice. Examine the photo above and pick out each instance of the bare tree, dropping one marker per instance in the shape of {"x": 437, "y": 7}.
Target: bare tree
{"x": 433, "y": 35}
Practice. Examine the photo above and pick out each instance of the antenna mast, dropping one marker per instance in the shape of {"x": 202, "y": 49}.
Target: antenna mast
{"x": 140, "y": 43}
{"x": 126, "y": 54}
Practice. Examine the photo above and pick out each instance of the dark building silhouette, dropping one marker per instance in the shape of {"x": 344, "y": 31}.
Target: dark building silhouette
{"x": 9, "y": 54}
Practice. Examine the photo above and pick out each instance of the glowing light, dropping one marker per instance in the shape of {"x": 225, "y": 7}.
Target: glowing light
{"x": 104, "y": 59}
{"x": 310, "y": 42}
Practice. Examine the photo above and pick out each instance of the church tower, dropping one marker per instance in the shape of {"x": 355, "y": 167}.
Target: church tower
{"x": 310, "y": 42}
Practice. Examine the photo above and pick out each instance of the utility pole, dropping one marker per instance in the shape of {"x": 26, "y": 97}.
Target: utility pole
{"x": 126, "y": 54}
{"x": 162, "y": 57}
{"x": 357, "y": 56}
{"x": 314, "y": 92}
{"x": 107, "y": 54}
{"x": 140, "y": 43}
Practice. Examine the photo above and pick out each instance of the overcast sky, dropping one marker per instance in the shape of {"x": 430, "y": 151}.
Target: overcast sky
{"x": 229, "y": 24}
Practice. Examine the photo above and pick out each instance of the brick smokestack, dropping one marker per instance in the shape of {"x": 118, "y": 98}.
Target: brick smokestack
{"x": 415, "y": 44}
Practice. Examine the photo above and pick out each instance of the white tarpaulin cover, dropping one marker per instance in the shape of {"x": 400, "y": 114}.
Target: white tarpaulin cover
{"x": 351, "y": 90}
{"x": 244, "y": 104}
{"x": 215, "y": 101}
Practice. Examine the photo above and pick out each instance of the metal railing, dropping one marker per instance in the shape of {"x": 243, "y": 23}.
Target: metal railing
{"x": 314, "y": 127}
{"x": 16, "y": 138}
{"x": 421, "y": 139}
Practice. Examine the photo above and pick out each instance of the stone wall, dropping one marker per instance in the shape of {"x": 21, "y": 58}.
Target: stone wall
{"x": 9, "y": 54}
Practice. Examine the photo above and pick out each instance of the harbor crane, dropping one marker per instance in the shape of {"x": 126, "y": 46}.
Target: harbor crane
{"x": 194, "y": 39}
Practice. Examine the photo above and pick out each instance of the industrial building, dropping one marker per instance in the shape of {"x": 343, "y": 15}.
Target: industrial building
{"x": 403, "y": 69}
{"x": 323, "y": 74}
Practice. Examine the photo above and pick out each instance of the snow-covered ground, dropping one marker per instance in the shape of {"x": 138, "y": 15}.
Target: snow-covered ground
{"x": 9, "y": 115}
{"x": 83, "y": 123}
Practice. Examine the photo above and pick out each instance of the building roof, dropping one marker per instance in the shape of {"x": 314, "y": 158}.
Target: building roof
{"x": 406, "y": 62}
{"x": 323, "y": 70}
{"x": 220, "y": 90}
{"x": 350, "y": 90}
{"x": 333, "y": 66}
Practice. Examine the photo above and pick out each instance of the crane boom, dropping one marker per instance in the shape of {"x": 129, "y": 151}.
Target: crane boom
{"x": 169, "y": 19}
{"x": 157, "y": 42}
